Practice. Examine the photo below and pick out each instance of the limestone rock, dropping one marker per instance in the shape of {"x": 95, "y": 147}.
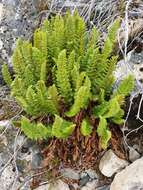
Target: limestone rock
{"x": 1, "y": 11}
{"x": 133, "y": 155}
{"x": 70, "y": 173}
{"x": 59, "y": 185}
{"x": 7, "y": 179}
{"x": 90, "y": 185}
{"x": 111, "y": 164}
{"x": 131, "y": 178}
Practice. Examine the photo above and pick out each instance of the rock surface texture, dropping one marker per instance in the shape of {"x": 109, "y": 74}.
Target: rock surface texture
{"x": 59, "y": 185}
{"x": 111, "y": 164}
{"x": 131, "y": 178}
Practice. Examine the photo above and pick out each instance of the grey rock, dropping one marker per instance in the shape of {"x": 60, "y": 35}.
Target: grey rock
{"x": 131, "y": 178}
{"x": 1, "y": 11}
{"x": 87, "y": 176}
{"x": 134, "y": 66}
{"x": 70, "y": 173}
{"x": 34, "y": 149}
{"x": 28, "y": 144}
{"x": 84, "y": 179}
{"x": 90, "y": 185}
{"x": 121, "y": 70}
{"x": 83, "y": 174}
{"x": 4, "y": 157}
{"x": 59, "y": 185}
{"x": 9, "y": 142}
{"x": 92, "y": 173}
{"x": 22, "y": 165}
{"x": 7, "y": 179}
{"x": 74, "y": 186}
{"x": 104, "y": 188}
{"x": 4, "y": 123}
{"x": 3, "y": 140}
{"x": 18, "y": 18}
{"x": 36, "y": 160}
{"x": 133, "y": 154}
{"x": 111, "y": 164}
{"x": 20, "y": 140}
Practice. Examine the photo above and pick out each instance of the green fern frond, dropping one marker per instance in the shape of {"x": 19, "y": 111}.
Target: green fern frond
{"x": 28, "y": 76}
{"x": 18, "y": 87}
{"x": 22, "y": 102}
{"x": 35, "y": 131}
{"x": 118, "y": 118}
{"x": 47, "y": 99}
{"x": 125, "y": 86}
{"x": 62, "y": 128}
{"x": 26, "y": 51}
{"x": 79, "y": 34}
{"x": 32, "y": 102}
{"x": 100, "y": 109}
{"x": 6, "y": 75}
{"x": 94, "y": 37}
{"x": 103, "y": 132}
{"x": 113, "y": 108}
{"x": 54, "y": 97}
{"x": 62, "y": 77}
{"x": 110, "y": 39}
{"x": 74, "y": 74}
{"x": 71, "y": 61}
{"x": 112, "y": 32}
{"x": 18, "y": 61}
{"x": 85, "y": 128}
{"x": 46, "y": 26}
{"x": 56, "y": 39}
{"x": 81, "y": 99}
{"x": 107, "y": 109}
{"x": 40, "y": 42}
{"x": 80, "y": 80}
{"x": 43, "y": 73}
{"x": 37, "y": 61}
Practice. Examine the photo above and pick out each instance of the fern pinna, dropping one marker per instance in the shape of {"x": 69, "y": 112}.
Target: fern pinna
{"x": 61, "y": 74}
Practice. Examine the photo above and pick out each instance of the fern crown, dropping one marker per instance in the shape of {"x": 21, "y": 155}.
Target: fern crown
{"x": 64, "y": 73}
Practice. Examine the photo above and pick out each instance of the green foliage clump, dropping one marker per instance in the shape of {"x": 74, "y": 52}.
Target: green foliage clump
{"x": 64, "y": 73}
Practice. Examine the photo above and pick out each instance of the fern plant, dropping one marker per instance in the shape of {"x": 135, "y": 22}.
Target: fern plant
{"x": 64, "y": 73}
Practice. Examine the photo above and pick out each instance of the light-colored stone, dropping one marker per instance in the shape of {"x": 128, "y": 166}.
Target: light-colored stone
{"x": 70, "y": 173}
{"x": 4, "y": 123}
{"x": 92, "y": 173}
{"x": 3, "y": 140}
{"x": 111, "y": 164}
{"x": 1, "y": 11}
{"x": 43, "y": 187}
{"x": 75, "y": 186}
{"x": 122, "y": 70}
{"x": 90, "y": 185}
{"x": 59, "y": 185}
{"x": 131, "y": 178}
{"x": 133, "y": 155}
{"x": 7, "y": 178}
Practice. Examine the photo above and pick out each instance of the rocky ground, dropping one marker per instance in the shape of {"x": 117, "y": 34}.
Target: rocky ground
{"x": 20, "y": 158}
